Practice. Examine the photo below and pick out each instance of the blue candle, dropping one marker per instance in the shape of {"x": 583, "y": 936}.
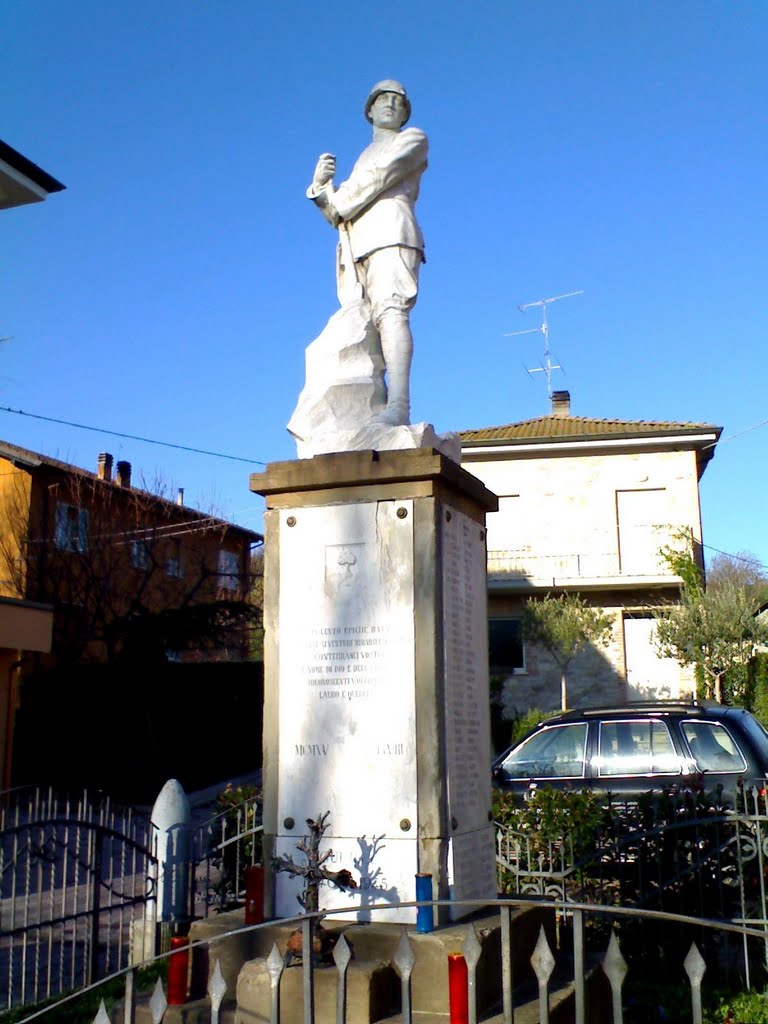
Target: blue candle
{"x": 424, "y": 915}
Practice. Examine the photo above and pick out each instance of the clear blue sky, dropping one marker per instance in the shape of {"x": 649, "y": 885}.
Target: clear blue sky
{"x": 612, "y": 146}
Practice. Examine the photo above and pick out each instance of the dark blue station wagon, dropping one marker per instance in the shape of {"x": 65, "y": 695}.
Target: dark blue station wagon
{"x": 629, "y": 749}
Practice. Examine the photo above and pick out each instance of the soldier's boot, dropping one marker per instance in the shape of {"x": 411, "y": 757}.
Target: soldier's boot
{"x": 397, "y": 349}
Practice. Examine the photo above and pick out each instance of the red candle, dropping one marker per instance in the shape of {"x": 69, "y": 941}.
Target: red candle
{"x": 458, "y": 993}
{"x": 178, "y": 965}
{"x": 254, "y": 894}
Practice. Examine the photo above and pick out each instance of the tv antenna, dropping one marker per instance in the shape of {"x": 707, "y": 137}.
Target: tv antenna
{"x": 547, "y": 366}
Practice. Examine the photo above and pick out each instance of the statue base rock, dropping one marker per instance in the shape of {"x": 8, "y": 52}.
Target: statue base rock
{"x": 345, "y": 392}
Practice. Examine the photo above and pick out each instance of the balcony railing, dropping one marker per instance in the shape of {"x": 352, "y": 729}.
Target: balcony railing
{"x": 521, "y": 564}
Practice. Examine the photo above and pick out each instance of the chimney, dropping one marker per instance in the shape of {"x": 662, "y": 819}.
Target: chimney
{"x": 180, "y": 496}
{"x": 123, "y": 474}
{"x": 104, "y": 471}
{"x": 561, "y": 405}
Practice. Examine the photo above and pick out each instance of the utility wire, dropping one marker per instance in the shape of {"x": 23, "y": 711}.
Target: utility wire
{"x": 753, "y": 561}
{"x": 746, "y": 430}
{"x": 132, "y": 437}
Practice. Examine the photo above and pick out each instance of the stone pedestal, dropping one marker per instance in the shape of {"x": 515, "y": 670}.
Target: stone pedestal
{"x": 376, "y": 675}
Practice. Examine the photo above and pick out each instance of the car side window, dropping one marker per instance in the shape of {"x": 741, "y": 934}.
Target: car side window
{"x": 636, "y": 747}
{"x": 713, "y": 747}
{"x": 554, "y": 752}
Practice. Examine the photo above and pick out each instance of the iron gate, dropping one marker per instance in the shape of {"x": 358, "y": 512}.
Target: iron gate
{"x": 77, "y": 892}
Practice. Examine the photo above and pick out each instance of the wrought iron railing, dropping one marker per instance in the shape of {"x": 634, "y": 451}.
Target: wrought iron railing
{"x": 222, "y": 848}
{"x": 542, "y": 957}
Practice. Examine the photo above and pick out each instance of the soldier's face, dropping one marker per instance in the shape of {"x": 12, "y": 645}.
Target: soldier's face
{"x": 388, "y": 110}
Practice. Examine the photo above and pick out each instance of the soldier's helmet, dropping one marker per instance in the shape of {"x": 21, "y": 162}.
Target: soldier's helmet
{"x": 387, "y": 85}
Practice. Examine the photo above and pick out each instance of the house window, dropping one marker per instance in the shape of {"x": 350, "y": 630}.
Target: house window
{"x": 642, "y": 520}
{"x": 229, "y": 570}
{"x": 503, "y": 527}
{"x": 174, "y": 565}
{"x": 140, "y": 556}
{"x": 505, "y": 646}
{"x": 71, "y": 530}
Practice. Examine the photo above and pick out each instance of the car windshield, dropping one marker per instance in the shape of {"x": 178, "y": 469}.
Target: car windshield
{"x": 555, "y": 752}
{"x": 713, "y": 747}
{"x": 636, "y": 747}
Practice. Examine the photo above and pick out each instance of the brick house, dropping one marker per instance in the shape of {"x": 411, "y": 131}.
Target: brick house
{"x": 584, "y": 507}
{"x": 132, "y": 577}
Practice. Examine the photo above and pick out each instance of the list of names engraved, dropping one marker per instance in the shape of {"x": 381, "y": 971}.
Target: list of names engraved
{"x": 466, "y": 671}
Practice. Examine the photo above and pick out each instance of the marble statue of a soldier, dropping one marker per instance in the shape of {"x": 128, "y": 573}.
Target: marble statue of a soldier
{"x": 381, "y": 246}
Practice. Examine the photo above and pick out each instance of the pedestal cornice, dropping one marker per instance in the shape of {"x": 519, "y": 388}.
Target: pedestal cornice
{"x": 370, "y": 475}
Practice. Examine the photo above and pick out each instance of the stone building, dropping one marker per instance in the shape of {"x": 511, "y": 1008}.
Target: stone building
{"x": 584, "y": 507}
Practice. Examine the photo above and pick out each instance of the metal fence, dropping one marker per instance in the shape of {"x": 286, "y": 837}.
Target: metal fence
{"x": 79, "y": 886}
{"x": 706, "y": 862}
{"x": 79, "y": 877}
{"x": 76, "y": 892}
{"x": 465, "y": 998}
{"x": 222, "y": 848}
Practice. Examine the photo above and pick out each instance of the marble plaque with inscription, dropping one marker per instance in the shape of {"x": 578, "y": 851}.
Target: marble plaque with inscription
{"x": 467, "y": 709}
{"x": 346, "y": 691}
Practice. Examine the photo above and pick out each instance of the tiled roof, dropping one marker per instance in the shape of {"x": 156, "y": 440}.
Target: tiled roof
{"x": 32, "y": 460}
{"x": 550, "y": 428}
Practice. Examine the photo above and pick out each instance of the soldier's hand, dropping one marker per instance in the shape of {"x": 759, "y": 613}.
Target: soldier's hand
{"x": 324, "y": 170}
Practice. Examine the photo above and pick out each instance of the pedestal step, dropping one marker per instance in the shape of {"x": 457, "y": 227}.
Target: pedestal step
{"x": 196, "y": 1011}
{"x": 373, "y": 984}
{"x": 372, "y": 993}
{"x": 562, "y": 1001}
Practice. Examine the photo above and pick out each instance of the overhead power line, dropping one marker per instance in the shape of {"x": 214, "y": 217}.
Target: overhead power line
{"x": 749, "y": 560}
{"x": 739, "y": 433}
{"x": 133, "y": 437}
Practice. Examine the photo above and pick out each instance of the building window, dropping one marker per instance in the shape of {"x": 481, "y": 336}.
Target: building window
{"x": 229, "y": 570}
{"x": 71, "y": 530}
{"x": 174, "y": 565}
{"x": 503, "y": 527}
{"x": 505, "y": 646}
{"x": 642, "y": 518}
{"x": 140, "y": 556}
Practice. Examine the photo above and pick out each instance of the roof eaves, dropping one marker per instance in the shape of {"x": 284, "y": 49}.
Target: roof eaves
{"x": 30, "y": 170}
{"x": 34, "y": 460}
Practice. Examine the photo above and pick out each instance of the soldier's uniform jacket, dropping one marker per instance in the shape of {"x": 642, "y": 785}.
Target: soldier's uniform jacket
{"x": 377, "y": 200}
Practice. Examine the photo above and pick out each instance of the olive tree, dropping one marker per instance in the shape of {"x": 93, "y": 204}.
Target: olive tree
{"x": 713, "y": 628}
{"x": 564, "y": 626}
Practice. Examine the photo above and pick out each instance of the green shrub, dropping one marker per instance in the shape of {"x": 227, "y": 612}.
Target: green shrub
{"x": 758, "y": 678}
{"x": 744, "y": 1008}
{"x": 85, "y": 1007}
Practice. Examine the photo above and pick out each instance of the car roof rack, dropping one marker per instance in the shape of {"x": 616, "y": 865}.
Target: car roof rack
{"x": 651, "y": 706}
